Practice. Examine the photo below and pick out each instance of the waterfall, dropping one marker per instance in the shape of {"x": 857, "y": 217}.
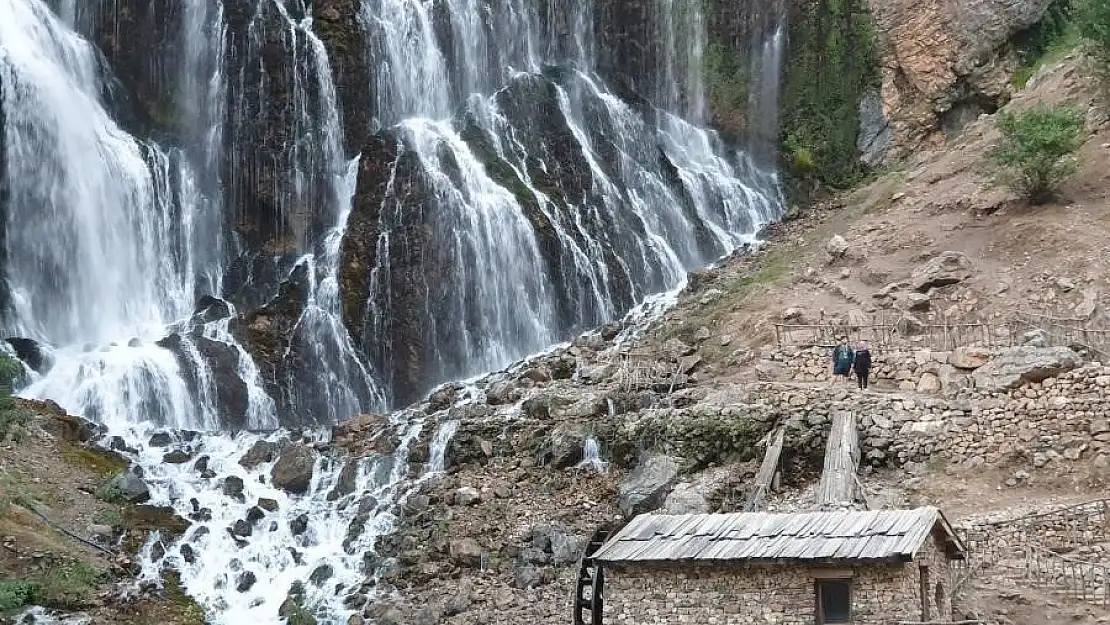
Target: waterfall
{"x": 516, "y": 191}
{"x": 511, "y": 171}
{"x": 591, "y": 457}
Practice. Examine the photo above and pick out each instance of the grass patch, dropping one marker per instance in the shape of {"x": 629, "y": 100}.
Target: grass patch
{"x": 69, "y": 585}
{"x": 100, "y": 463}
{"x": 110, "y": 517}
{"x": 15, "y": 594}
{"x": 109, "y": 492}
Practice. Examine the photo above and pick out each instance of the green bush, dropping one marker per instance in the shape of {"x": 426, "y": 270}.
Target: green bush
{"x": 1094, "y": 25}
{"x": 67, "y": 586}
{"x": 15, "y": 593}
{"x": 12, "y": 418}
{"x": 1036, "y": 150}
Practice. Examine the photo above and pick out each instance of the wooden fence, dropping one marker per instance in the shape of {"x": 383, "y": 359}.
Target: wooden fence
{"x": 1068, "y": 527}
{"x": 1086, "y": 581}
{"x": 939, "y": 337}
{"x": 885, "y": 332}
{"x": 643, "y": 370}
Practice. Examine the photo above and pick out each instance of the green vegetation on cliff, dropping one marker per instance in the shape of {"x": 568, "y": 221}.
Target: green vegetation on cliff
{"x": 1094, "y": 25}
{"x": 832, "y": 61}
{"x": 1036, "y": 150}
{"x": 1046, "y": 41}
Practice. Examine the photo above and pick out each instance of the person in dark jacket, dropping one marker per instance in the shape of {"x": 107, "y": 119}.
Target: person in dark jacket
{"x": 842, "y": 358}
{"x": 862, "y": 364}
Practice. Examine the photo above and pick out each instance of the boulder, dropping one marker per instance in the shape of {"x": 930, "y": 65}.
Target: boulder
{"x": 259, "y": 453}
{"x": 1015, "y": 366}
{"x": 467, "y": 496}
{"x": 293, "y": 470}
{"x": 503, "y": 392}
{"x": 132, "y": 487}
{"x": 693, "y": 496}
{"x": 32, "y": 354}
{"x": 912, "y": 301}
{"x": 675, "y": 349}
{"x": 564, "y": 446}
{"x": 943, "y": 270}
{"x": 233, "y": 487}
{"x": 929, "y": 383}
{"x": 648, "y": 485}
{"x": 466, "y": 552}
{"x": 837, "y": 246}
{"x": 246, "y": 581}
{"x": 952, "y": 380}
{"x": 526, "y": 576}
{"x": 566, "y": 548}
{"x": 969, "y": 357}
{"x": 177, "y": 456}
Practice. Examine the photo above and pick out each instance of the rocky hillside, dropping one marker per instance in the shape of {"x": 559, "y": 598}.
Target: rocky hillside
{"x": 72, "y": 523}
{"x": 494, "y": 539}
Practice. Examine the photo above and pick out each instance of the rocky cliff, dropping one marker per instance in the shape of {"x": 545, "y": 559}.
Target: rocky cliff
{"x": 943, "y": 63}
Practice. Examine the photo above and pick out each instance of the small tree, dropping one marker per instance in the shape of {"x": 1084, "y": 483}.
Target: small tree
{"x": 1094, "y": 25}
{"x": 1036, "y": 150}
{"x": 11, "y": 415}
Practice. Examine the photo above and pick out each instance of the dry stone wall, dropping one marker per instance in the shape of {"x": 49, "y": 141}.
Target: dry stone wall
{"x": 932, "y": 408}
{"x": 734, "y": 595}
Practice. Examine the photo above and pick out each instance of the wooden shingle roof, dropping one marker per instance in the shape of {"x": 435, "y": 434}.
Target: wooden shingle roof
{"x": 813, "y": 537}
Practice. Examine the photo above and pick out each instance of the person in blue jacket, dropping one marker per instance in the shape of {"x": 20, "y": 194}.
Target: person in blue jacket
{"x": 842, "y": 358}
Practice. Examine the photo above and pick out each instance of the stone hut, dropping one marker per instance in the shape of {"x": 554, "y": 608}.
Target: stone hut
{"x": 861, "y": 567}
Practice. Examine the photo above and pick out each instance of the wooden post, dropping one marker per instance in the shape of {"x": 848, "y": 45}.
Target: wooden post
{"x": 842, "y": 457}
{"x": 767, "y": 471}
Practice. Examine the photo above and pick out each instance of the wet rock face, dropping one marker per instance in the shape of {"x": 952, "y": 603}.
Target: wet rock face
{"x": 27, "y": 350}
{"x": 336, "y": 23}
{"x": 135, "y": 37}
{"x": 273, "y": 211}
{"x": 222, "y": 362}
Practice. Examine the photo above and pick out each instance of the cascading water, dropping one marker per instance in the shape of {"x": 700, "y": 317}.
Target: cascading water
{"x": 515, "y": 174}
{"x": 511, "y": 172}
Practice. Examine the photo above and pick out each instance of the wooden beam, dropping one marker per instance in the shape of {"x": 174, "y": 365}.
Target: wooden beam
{"x": 767, "y": 470}
{"x": 842, "y": 457}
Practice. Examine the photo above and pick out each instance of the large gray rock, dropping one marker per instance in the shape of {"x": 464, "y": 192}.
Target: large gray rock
{"x": 1015, "y": 366}
{"x": 132, "y": 487}
{"x": 260, "y": 452}
{"x": 564, "y": 446}
{"x": 875, "y": 134}
{"x": 694, "y": 496}
{"x": 648, "y": 486}
{"x": 466, "y": 552}
{"x": 947, "y": 268}
{"x": 293, "y": 470}
{"x": 969, "y": 357}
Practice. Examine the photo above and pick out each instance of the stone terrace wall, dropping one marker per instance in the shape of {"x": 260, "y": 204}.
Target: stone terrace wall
{"x": 1064, "y": 417}
{"x": 765, "y": 594}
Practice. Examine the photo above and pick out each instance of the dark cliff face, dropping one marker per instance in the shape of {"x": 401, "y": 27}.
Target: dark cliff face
{"x": 142, "y": 41}
{"x": 340, "y": 29}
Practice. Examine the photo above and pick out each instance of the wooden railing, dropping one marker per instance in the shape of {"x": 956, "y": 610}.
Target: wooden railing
{"x": 885, "y": 335}
{"x": 1085, "y": 581}
{"x": 647, "y": 370}
{"x": 1071, "y": 526}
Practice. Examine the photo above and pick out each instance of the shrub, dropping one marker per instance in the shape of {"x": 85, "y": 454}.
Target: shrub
{"x": 1094, "y": 25}
{"x": 1036, "y": 150}
{"x": 12, "y": 418}
{"x": 15, "y": 593}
